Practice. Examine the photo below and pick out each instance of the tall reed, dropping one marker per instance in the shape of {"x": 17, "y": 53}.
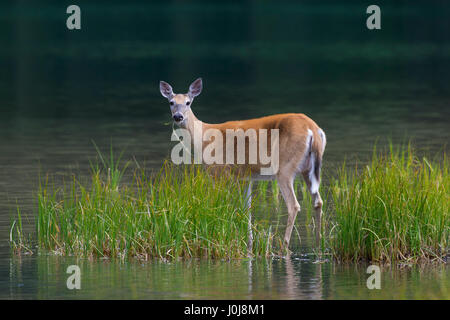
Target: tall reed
{"x": 394, "y": 209}
{"x": 179, "y": 212}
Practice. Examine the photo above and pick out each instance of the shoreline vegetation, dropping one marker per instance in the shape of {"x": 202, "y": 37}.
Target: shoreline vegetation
{"x": 393, "y": 210}
{"x": 180, "y": 212}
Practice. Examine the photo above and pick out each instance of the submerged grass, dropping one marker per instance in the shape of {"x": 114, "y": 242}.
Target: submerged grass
{"x": 180, "y": 212}
{"x": 394, "y": 209}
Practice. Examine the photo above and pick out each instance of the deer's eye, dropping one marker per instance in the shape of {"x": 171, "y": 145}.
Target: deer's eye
{"x": 172, "y": 103}
{"x": 188, "y": 103}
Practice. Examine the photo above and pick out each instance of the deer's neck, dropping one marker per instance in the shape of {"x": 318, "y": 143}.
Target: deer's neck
{"x": 193, "y": 125}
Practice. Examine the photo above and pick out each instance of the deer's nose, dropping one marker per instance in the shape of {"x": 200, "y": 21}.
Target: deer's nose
{"x": 178, "y": 117}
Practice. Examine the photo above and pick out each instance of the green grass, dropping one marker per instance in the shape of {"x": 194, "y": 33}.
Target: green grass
{"x": 179, "y": 212}
{"x": 394, "y": 209}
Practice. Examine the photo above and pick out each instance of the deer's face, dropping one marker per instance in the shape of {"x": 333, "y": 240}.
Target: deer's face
{"x": 180, "y": 104}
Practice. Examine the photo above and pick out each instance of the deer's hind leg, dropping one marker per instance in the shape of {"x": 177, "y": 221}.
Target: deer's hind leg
{"x": 312, "y": 180}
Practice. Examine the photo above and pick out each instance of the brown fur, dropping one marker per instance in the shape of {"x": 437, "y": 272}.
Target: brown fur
{"x": 299, "y": 151}
{"x": 293, "y": 131}
{"x": 295, "y": 157}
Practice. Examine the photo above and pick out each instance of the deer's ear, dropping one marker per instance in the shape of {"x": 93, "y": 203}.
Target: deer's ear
{"x": 166, "y": 89}
{"x": 195, "y": 88}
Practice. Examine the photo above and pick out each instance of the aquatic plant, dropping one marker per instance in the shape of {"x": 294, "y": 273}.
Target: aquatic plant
{"x": 396, "y": 208}
{"x": 178, "y": 212}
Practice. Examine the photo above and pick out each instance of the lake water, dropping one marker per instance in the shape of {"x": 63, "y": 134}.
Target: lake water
{"x": 60, "y": 90}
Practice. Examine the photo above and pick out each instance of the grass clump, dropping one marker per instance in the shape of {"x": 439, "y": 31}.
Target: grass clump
{"x": 180, "y": 212}
{"x": 395, "y": 209}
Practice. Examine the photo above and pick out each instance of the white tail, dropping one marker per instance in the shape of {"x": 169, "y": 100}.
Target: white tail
{"x": 299, "y": 141}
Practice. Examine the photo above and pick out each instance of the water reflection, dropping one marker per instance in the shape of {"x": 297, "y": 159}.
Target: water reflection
{"x": 44, "y": 277}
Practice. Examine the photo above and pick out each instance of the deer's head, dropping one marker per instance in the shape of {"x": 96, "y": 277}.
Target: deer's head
{"x": 180, "y": 104}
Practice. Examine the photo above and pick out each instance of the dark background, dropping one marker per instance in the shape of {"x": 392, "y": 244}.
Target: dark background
{"x": 256, "y": 57}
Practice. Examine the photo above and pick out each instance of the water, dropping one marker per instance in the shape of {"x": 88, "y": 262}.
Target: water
{"x": 296, "y": 278}
{"x": 61, "y": 90}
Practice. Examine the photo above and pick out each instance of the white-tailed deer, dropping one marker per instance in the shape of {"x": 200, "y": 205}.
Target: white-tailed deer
{"x": 300, "y": 144}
